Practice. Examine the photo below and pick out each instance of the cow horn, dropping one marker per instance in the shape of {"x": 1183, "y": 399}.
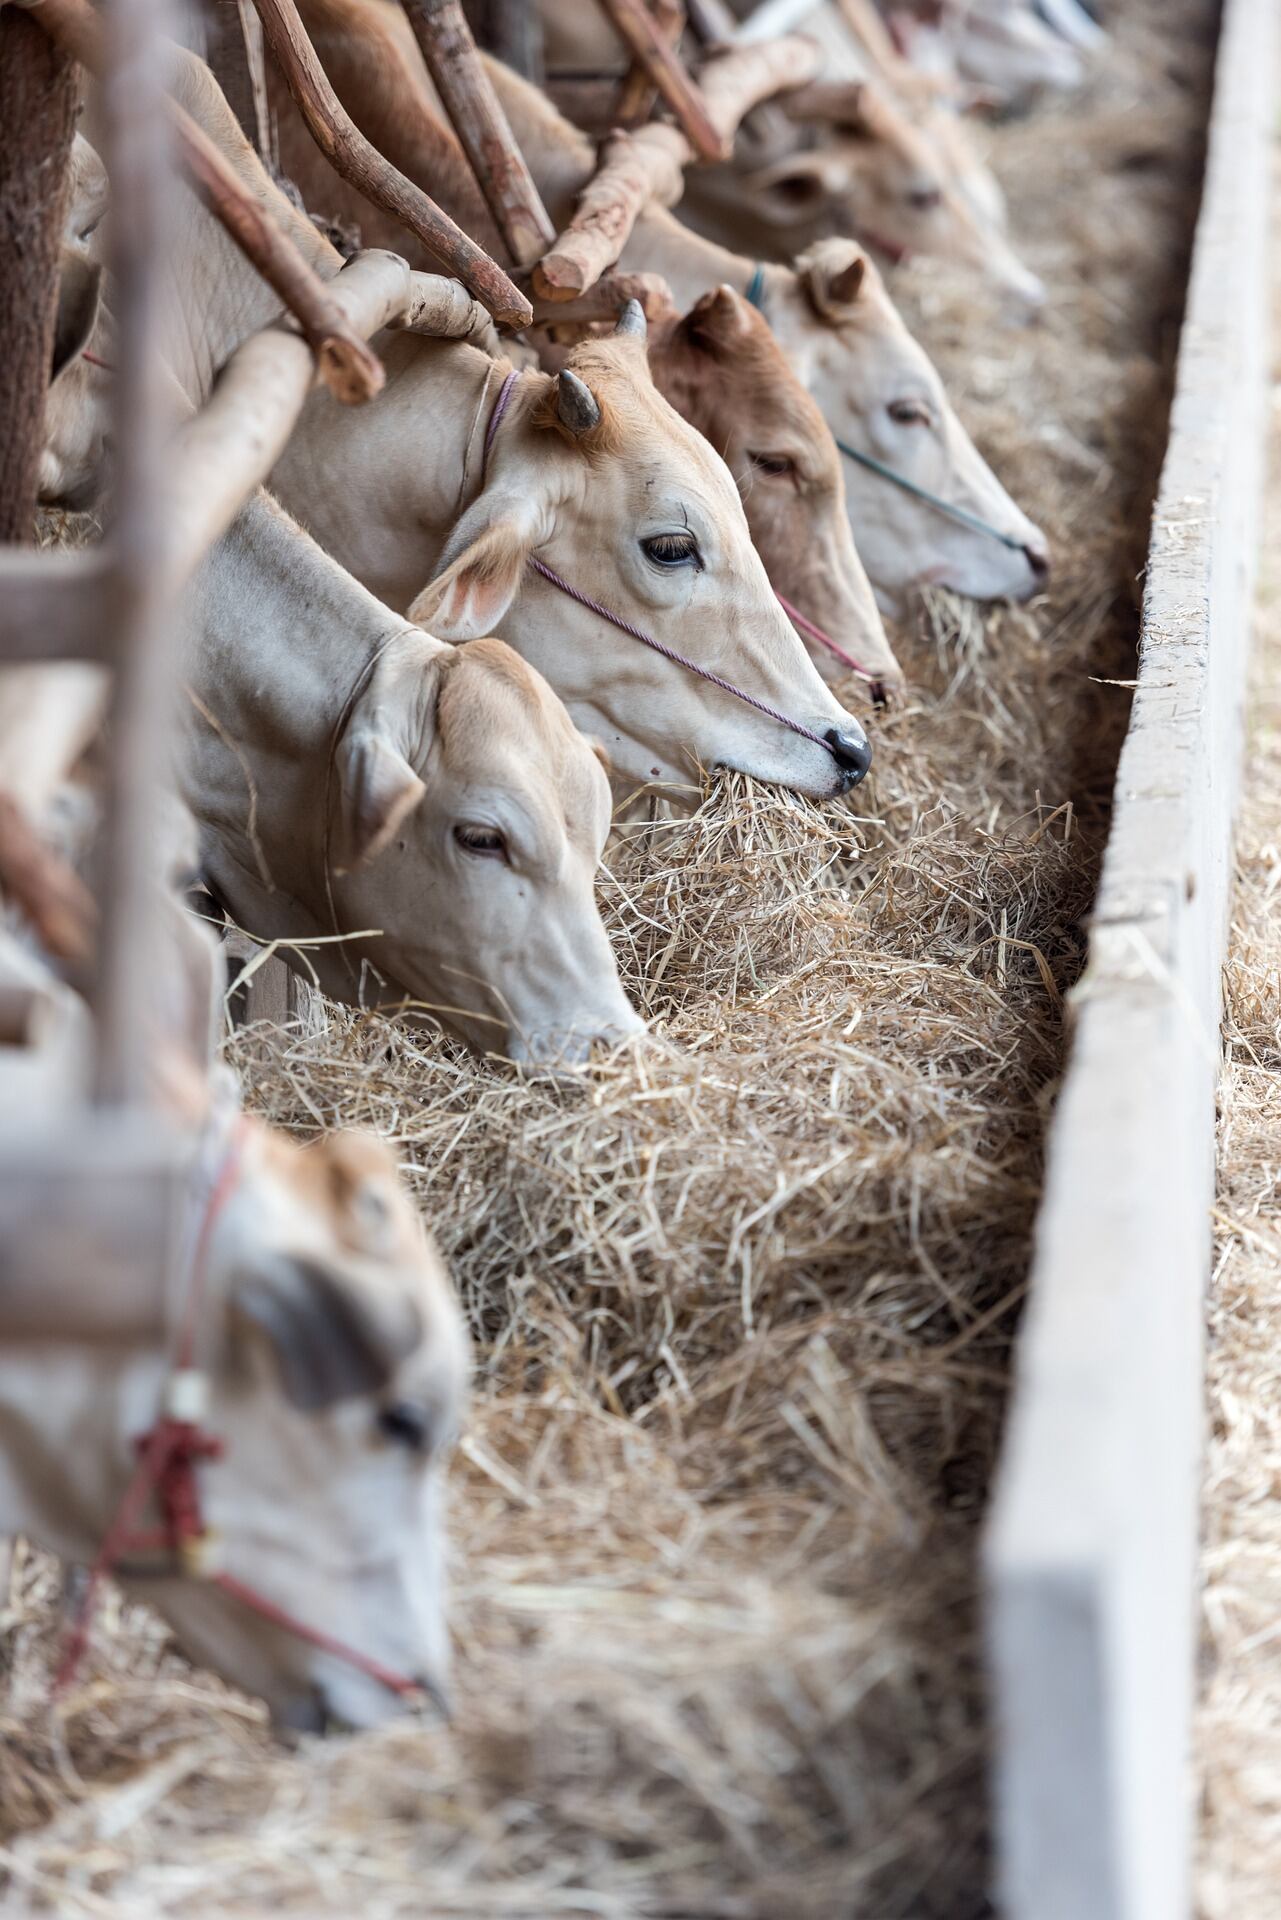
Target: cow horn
{"x": 576, "y": 404}
{"x": 632, "y": 322}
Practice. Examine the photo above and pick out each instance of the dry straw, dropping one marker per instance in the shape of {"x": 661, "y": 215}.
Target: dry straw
{"x": 744, "y": 1298}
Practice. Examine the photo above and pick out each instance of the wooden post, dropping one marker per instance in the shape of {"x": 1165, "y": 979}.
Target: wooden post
{"x": 512, "y": 30}
{"x": 352, "y": 156}
{"x": 234, "y": 53}
{"x": 139, "y": 158}
{"x": 635, "y": 26}
{"x": 445, "y": 40}
{"x": 638, "y": 92}
{"x": 348, "y": 365}
{"x": 38, "y": 91}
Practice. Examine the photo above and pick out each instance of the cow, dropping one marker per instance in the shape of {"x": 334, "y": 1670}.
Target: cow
{"x": 872, "y": 382}
{"x": 894, "y": 168}
{"x": 352, "y": 774}
{"x": 722, "y": 368}
{"x": 592, "y": 479}
{"x": 326, "y": 1334}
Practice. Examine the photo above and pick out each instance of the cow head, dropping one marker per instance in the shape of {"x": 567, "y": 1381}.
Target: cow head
{"x": 723, "y": 370}
{"x": 879, "y": 393}
{"x": 888, "y": 179}
{"x": 595, "y": 475}
{"x": 338, "y": 1385}
{"x": 469, "y": 816}
{"x": 77, "y": 416}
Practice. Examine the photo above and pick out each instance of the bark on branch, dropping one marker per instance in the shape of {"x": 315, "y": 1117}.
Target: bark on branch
{"x": 357, "y": 160}
{"x": 445, "y": 40}
{"x": 637, "y": 27}
{"x": 743, "y": 77}
{"x": 635, "y": 168}
{"x": 648, "y": 165}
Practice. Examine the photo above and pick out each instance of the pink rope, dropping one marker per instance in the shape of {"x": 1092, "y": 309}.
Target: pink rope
{"x": 678, "y": 659}
{"x": 824, "y": 640}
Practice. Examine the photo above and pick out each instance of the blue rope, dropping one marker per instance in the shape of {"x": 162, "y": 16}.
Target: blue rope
{"x": 755, "y": 298}
{"x": 960, "y": 514}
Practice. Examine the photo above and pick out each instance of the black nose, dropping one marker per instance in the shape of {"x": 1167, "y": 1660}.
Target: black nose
{"x": 1038, "y": 558}
{"x": 853, "y": 756}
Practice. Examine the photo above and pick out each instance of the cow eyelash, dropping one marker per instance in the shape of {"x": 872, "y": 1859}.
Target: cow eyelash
{"x": 485, "y": 843}
{"x": 776, "y": 465}
{"x": 910, "y": 413}
{"x": 673, "y": 550}
{"x": 408, "y": 1424}
{"x": 924, "y": 199}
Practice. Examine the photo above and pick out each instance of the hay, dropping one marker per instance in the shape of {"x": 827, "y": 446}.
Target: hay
{"x": 1239, "y": 1724}
{"x": 744, "y": 1301}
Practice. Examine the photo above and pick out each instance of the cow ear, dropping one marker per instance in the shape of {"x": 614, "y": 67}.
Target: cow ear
{"x": 719, "y": 323}
{"x": 484, "y": 566}
{"x": 332, "y": 1336}
{"x": 379, "y": 789}
{"x": 79, "y": 299}
{"x": 833, "y": 284}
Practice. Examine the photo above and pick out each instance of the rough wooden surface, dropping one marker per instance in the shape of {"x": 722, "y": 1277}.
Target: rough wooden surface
{"x": 641, "y": 33}
{"x": 455, "y": 65}
{"x": 353, "y": 156}
{"x": 635, "y": 169}
{"x": 38, "y": 93}
{"x": 1091, "y": 1545}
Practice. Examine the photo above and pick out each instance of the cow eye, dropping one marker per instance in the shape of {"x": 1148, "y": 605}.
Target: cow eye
{"x": 924, "y": 199}
{"x": 673, "y": 550}
{"x": 486, "y": 843}
{"x": 407, "y": 1423}
{"x": 910, "y": 413}
{"x": 776, "y": 465}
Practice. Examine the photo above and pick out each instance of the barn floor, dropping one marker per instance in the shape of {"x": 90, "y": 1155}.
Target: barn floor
{"x": 743, "y": 1313}
{"x": 1239, "y": 1730}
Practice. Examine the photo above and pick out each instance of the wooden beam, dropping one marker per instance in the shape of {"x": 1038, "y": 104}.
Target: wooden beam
{"x": 348, "y": 366}
{"x": 635, "y": 169}
{"x": 638, "y": 93}
{"x": 353, "y": 157}
{"x": 52, "y": 605}
{"x": 234, "y": 53}
{"x": 38, "y": 93}
{"x": 740, "y": 79}
{"x": 634, "y": 25}
{"x": 606, "y": 300}
{"x": 455, "y": 65}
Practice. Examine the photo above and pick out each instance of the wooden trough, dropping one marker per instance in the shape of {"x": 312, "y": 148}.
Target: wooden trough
{"x": 1091, "y": 1543}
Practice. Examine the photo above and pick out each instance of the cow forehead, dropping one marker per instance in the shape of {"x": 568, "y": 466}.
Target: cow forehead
{"x": 499, "y": 721}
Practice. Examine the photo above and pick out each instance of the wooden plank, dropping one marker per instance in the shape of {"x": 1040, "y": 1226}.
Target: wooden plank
{"x": 445, "y": 39}
{"x": 38, "y": 93}
{"x": 1091, "y": 1545}
{"x": 642, "y": 34}
{"x": 356, "y": 160}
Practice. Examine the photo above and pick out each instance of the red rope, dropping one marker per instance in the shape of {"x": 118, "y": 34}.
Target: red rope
{"x": 168, "y": 1455}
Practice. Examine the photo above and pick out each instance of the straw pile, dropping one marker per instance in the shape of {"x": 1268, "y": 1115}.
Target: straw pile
{"x": 744, "y": 1301}
{"x": 1240, "y": 1718}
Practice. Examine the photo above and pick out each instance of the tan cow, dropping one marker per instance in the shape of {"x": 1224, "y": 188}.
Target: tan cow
{"x": 592, "y": 475}
{"x": 721, "y": 366}
{"x": 325, "y": 1324}
{"x": 438, "y": 794}
{"x": 873, "y": 383}
{"x": 350, "y": 774}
